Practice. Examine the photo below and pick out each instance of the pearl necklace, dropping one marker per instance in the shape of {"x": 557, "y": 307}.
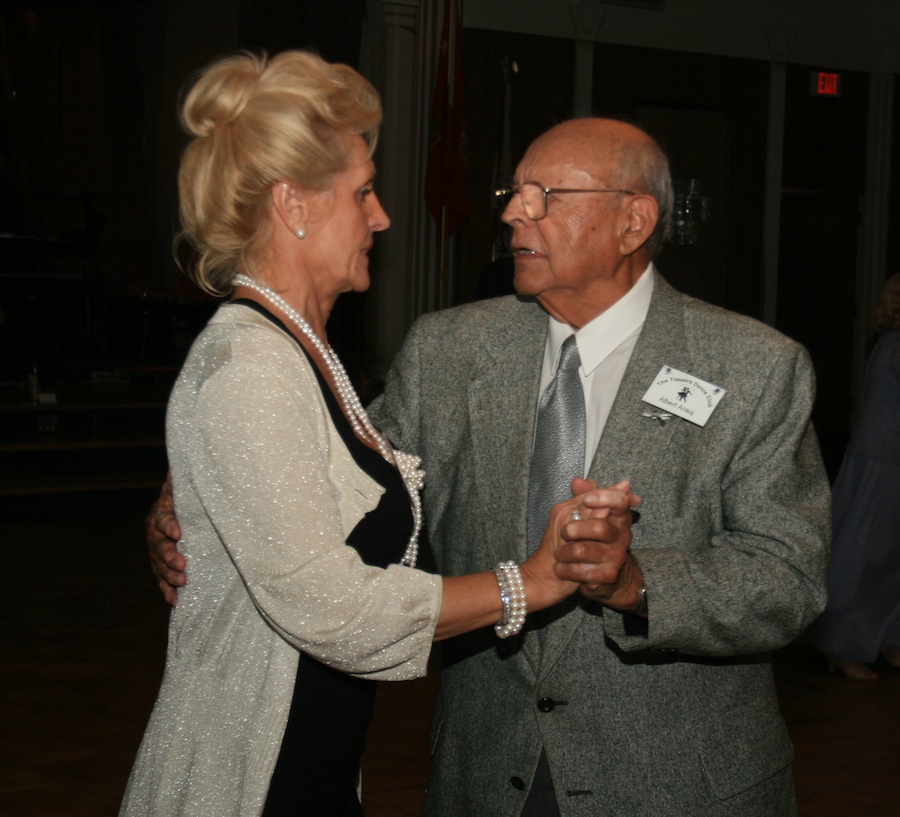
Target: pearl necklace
{"x": 407, "y": 464}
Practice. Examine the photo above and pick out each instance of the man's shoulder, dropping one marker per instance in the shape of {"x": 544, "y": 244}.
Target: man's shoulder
{"x": 486, "y": 308}
{"x": 716, "y": 328}
{"x": 496, "y": 315}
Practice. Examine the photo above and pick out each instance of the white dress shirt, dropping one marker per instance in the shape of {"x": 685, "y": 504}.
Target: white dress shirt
{"x": 605, "y": 346}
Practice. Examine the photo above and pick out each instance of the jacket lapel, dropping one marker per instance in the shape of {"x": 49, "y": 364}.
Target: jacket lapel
{"x": 632, "y": 445}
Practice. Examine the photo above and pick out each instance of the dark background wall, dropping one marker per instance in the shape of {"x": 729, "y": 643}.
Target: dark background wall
{"x": 710, "y": 113}
{"x": 89, "y": 146}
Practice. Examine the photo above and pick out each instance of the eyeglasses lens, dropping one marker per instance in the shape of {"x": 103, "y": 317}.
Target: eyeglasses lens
{"x": 531, "y": 197}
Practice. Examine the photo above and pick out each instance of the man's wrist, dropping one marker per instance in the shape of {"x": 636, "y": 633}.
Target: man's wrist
{"x": 641, "y": 608}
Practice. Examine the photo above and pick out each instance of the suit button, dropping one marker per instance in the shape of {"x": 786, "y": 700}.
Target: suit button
{"x": 517, "y": 783}
{"x": 546, "y": 704}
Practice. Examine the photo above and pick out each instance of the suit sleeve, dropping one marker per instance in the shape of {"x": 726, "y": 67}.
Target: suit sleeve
{"x": 396, "y": 411}
{"x": 737, "y": 559}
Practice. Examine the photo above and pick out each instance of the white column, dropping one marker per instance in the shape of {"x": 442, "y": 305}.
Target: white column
{"x": 584, "y": 78}
{"x": 586, "y": 22}
{"x": 396, "y": 295}
{"x": 780, "y": 43}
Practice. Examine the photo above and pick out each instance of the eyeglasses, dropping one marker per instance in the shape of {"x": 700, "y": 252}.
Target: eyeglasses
{"x": 534, "y": 197}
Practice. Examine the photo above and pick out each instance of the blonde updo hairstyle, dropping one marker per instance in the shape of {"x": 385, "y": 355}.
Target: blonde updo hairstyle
{"x": 256, "y": 122}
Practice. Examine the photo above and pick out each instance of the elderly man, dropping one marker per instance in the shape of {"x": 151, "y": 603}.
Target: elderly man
{"x": 651, "y": 692}
{"x": 677, "y": 717}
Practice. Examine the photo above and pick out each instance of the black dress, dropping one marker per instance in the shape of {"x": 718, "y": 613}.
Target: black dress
{"x": 863, "y": 612}
{"x": 318, "y": 765}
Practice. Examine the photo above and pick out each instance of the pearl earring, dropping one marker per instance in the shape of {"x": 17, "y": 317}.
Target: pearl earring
{"x": 301, "y": 233}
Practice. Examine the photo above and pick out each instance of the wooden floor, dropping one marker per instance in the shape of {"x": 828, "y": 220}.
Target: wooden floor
{"x": 82, "y": 650}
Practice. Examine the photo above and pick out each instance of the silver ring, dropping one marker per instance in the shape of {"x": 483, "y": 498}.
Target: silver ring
{"x": 576, "y": 516}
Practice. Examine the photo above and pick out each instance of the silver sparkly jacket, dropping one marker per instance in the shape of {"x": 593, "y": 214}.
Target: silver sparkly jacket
{"x": 266, "y": 493}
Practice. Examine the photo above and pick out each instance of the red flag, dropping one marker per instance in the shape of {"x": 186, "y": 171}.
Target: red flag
{"x": 447, "y": 173}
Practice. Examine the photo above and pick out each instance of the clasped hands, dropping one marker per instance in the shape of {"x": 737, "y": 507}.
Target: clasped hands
{"x": 589, "y": 541}
{"x": 590, "y": 554}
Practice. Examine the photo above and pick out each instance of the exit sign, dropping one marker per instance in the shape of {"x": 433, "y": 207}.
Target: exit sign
{"x": 825, "y": 83}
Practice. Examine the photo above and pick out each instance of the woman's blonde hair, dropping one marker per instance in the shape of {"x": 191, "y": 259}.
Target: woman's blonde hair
{"x": 256, "y": 122}
{"x": 886, "y": 312}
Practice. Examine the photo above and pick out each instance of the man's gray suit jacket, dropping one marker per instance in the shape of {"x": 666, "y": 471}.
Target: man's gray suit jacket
{"x": 679, "y": 718}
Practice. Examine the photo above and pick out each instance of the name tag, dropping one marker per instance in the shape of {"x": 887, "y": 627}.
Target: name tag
{"x": 684, "y": 395}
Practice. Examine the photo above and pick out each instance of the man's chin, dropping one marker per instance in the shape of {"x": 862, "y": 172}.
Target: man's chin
{"x": 526, "y": 282}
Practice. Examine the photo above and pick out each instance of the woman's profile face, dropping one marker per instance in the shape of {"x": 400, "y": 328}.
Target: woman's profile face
{"x": 340, "y": 241}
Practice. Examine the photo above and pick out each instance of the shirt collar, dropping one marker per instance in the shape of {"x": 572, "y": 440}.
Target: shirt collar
{"x": 605, "y": 333}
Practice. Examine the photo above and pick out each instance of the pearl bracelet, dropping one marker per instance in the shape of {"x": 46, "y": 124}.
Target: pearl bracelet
{"x": 512, "y": 594}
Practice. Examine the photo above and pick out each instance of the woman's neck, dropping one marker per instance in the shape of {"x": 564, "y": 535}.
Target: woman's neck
{"x": 320, "y": 356}
{"x": 314, "y": 309}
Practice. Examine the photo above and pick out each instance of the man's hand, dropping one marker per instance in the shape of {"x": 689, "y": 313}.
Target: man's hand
{"x": 162, "y": 531}
{"x": 595, "y": 551}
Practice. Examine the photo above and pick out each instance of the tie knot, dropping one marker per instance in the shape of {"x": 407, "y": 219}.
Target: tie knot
{"x": 569, "y": 358}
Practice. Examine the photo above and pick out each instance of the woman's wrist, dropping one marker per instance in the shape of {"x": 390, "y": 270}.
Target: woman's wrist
{"x": 512, "y": 598}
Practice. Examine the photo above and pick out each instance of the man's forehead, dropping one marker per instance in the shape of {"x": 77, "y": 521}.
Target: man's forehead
{"x": 557, "y": 171}
{"x": 585, "y": 148}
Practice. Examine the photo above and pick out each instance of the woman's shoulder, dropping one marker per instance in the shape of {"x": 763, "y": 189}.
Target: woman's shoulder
{"x": 244, "y": 332}
{"x": 885, "y": 357}
{"x": 888, "y": 341}
{"x": 245, "y": 352}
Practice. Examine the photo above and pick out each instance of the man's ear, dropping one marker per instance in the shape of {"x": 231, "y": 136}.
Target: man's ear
{"x": 290, "y": 205}
{"x": 640, "y": 216}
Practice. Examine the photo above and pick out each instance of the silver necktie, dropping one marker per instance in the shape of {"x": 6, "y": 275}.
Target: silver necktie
{"x": 559, "y": 443}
